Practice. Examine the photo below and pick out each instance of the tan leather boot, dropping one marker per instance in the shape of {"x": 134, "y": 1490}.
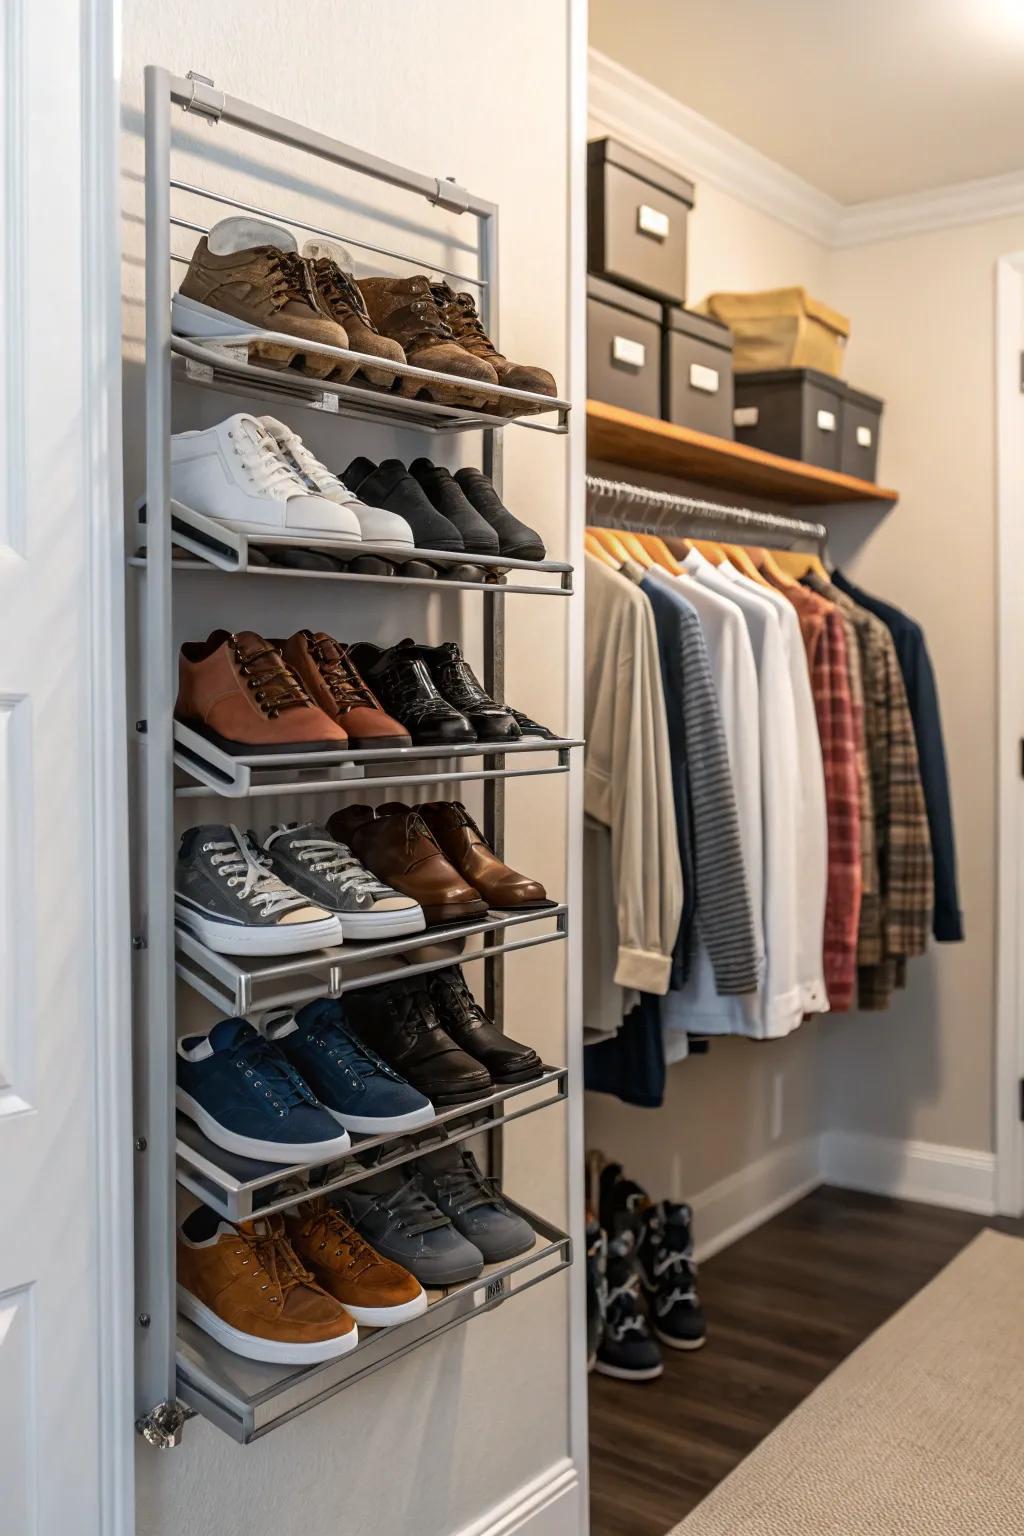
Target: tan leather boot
{"x": 463, "y": 845}
{"x": 332, "y": 682}
{"x": 238, "y": 691}
{"x": 404, "y": 309}
{"x": 339, "y": 295}
{"x": 459, "y": 310}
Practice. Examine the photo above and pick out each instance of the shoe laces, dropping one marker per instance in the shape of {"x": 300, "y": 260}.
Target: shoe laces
{"x": 420, "y": 322}
{"x": 412, "y": 691}
{"x": 308, "y": 469}
{"x": 347, "y": 688}
{"x": 460, "y": 685}
{"x": 294, "y": 281}
{"x": 240, "y": 861}
{"x": 452, "y": 988}
{"x": 273, "y": 1256}
{"x": 329, "y": 1226}
{"x": 460, "y": 311}
{"x": 270, "y": 679}
{"x": 464, "y": 819}
{"x": 261, "y": 460}
{"x": 466, "y": 1186}
{"x": 334, "y": 862}
{"x": 412, "y": 1210}
{"x": 340, "y": 290}
{"x": 349, "y": 1053}
{"x": 269, "y": 1072}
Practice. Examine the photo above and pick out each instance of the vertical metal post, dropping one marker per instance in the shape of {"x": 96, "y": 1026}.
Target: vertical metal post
{"x": 155, "y": 1309}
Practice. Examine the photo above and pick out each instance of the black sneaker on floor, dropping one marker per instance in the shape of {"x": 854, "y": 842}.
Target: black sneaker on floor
{"x": 621, "y": 1202}
{"x": 627, "y": 1350}
{"x": 597, "y": 1258}
{"x": 391, "y": 486}
{"x": 448, "y": 497}
{"x": 515, "y": 539}
{"x": 665, "y": 1257}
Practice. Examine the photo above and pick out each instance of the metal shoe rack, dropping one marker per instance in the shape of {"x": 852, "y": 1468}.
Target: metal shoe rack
{"x": 179, "y": 1369}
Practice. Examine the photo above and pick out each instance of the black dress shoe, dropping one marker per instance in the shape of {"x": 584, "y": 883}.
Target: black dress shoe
{"x": 398, "y": 1021}
{"x": 454, "y": 680}
{"x": 401, "y": 680}
{"x": 515, "y": 539}
{"x": 465, "y": 1021}
{"x": 447, "y": 495}
{"x": 391, "y": 486}
{"x": 528, "y": 727}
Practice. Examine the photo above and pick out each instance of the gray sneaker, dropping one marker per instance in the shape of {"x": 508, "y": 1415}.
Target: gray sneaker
{"x": 475, "y": 1204}
{"x": 328, "y": 872}
{"x": 395, "y": 1216}
{"x": 226, "y": 893}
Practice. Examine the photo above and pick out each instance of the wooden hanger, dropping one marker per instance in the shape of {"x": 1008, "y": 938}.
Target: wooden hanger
{"x": 765, "y": 559}
{"x": 799, "y": 564}
{"x": 596, "y": 548}
{"x": 710, "y": 550}
{"x": 678, "y": 548}
{"x": 660, "y": 553}
{"x": 741, "y": 559}
{"x": 610, "y": 541}
{"x": 640, "y": 554}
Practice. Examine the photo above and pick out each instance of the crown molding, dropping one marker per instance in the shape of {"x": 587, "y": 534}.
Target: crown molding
{"x": 625, "y": 106}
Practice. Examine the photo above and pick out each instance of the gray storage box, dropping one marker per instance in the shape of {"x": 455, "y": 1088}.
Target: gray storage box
{"x": 623, "y": 348}
{"x": 804, "y": 414}
{"x": 636, "y": 221}
{"x": 696, "y": 372}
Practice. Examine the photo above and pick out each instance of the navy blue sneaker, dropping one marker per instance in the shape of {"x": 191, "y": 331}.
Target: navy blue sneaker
{"x": 247, "y": 1097}
{"x": 360, "y": 1090}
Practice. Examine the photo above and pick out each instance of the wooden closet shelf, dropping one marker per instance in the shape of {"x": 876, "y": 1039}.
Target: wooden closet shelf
{"x": 643, "y": 442}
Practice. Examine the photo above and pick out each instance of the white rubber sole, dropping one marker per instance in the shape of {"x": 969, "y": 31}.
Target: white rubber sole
{"x": 190, "y": 317}
{"x": 372, "y": 1124}
{"x": 382, "y": 925}
{"x": 248, "y": 1146}
{"x": 621, "y": 1374}
{"x": 237, "y": 939}
{"x": 388, "y": 1317}
{"x": 686, "y": 1344}
{"x": 293, "y": 530}
{"x": 253, "y": 1348}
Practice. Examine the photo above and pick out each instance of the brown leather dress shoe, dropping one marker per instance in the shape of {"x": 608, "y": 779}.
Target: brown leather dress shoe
{"x": 464, "y": 845}
{"x": 459, "y": 310}
{"x": 238, "y": 692}
{"x": 396, "y": 845}
{"x": 326, "y": 671}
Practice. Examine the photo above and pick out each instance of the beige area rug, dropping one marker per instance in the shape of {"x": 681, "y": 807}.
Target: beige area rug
{"x": 919, "y": 1433}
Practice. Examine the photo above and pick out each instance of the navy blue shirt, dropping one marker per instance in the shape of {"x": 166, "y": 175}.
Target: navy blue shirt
{"x": 923, "y": 698}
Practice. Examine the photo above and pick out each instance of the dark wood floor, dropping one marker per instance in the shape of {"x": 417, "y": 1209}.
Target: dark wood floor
{"x": 785, "y": 1305}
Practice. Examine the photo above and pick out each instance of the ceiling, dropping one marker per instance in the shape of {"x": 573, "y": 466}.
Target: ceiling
{"x": 862, "y": 98}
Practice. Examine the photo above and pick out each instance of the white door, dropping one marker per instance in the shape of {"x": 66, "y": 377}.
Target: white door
{"x": 57, "y": 712}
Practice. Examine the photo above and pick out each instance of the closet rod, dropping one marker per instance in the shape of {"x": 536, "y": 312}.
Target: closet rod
{"x": 639, "y": 509}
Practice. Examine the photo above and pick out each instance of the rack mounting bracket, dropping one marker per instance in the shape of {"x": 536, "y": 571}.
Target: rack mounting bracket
{"x": 450, "y": 195}
{"x": 205, "y": 100}
{"x": 163, "y": 1426}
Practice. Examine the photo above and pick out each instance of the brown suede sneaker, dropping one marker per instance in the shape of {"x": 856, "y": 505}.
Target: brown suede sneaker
{"x": 463, "y": 845}
{"x": 339, "y": 295}
{"x": 246, "y": 1287}
{"x": 326, "y": 672}
{"x": 374, "y": 1290}
{"x": 238, "y": 692}
{"x": 404, "y": 309}
{"x": 459, "y": 310}
{"x": 266, "y": 288}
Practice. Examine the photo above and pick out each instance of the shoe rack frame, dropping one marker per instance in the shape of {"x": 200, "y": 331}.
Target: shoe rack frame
{"x": 179, "y": 1370}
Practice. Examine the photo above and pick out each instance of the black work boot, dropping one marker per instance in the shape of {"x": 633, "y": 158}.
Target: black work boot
{"x": 466, "y": 1022}
{"x": 397, "y": 1020}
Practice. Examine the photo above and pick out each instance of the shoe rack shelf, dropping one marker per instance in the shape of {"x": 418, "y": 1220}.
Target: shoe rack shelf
{"x": 179, "y": 1368}
{"x": 256, "y": 775}
{"x": 246, "y": 1398}
{"x": 240, "y": 1188}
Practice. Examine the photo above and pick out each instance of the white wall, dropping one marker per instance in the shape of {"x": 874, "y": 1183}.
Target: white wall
{"x": 432, "y": 1443}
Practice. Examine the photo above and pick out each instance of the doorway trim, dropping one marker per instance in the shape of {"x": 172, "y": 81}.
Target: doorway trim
{"x": 1009, "y": 840}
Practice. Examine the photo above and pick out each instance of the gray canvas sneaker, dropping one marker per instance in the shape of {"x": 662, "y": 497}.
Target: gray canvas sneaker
{"x": 395, "y": 1216}
{"x": 328, "y": 872}
{"x": 453, "y": 1180}
{"x": 226, "y": 893}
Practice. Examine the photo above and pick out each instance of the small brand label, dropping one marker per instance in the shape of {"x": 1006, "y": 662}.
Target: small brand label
{"x": 326, "y": 402}
{"x": 651, "y": 221}
{"x": 863, "y": 437}
{"x": 826, "y": 421}
{"x": 702, "y": 377}
{"x": 496, "y": 1289}
{"x": 746, "y": 416}
{"x": 633, "y": 354}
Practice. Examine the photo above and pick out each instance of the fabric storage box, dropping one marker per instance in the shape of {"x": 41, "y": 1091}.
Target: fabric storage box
{"x": 862, "y": 425}
{"x": 781, "y": 328}
{"x": 623, "y": 348}
{"x": 636, "y": 221}
{"x": 696, "y": 372}
{"x": 796, "y": 412}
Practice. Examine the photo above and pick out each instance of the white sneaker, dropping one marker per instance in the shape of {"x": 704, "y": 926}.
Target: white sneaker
{"x": 376, "y": 525}
{"x": 234, "y": 472}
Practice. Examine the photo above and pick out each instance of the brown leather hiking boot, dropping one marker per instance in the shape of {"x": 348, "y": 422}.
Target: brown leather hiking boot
{"x": 396, "y": 845}
{"x": 266, "y": 286}
{"x": 339, "y": 295}
{"x": 374, "y": 1290}
{"x": 238, "y": 692}
{"x": 459, "y": 309}
{"x": 404, "y": 309}
{"x": 463, "y": 845}
{"x": 332, "y": 682}
{"x": 246, "y": 1287}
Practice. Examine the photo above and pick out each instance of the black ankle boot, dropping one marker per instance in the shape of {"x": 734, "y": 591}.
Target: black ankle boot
{"x": 453, "y": 678}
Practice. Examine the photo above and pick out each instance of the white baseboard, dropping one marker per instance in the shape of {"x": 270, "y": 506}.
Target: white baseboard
{"x": 548, "y": 1505}
{"x": 728, "y": 1210}
{"x": 956, "y": 1177}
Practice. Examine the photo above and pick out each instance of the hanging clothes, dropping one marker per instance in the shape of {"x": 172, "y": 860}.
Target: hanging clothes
{"x": 923, "y": 700}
